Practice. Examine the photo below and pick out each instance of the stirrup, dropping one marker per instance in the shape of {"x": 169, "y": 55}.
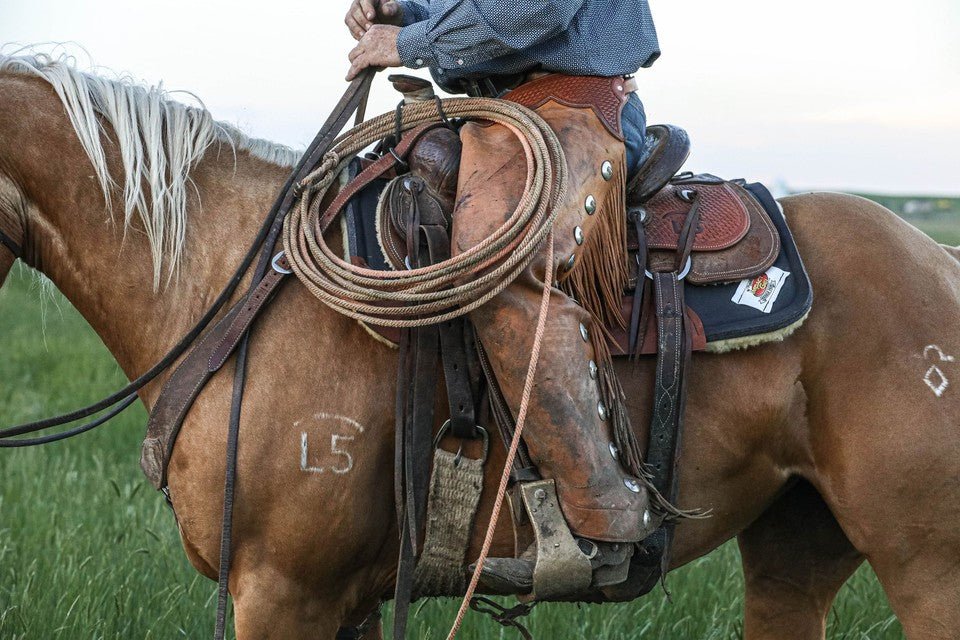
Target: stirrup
{"x": 561, "y": 568}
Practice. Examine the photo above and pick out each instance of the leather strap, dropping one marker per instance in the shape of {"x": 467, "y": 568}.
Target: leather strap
{"x": 349, "y": 103}
{"x": 428, "y": 242}
{"x": 383, "y": 164}
{"x": 635, "y": 340}
{"x": 11, "y": 245}
{"x": 523, "y": 469}
{"x": 253, "y": 305}
{"x": 674, "y": 347}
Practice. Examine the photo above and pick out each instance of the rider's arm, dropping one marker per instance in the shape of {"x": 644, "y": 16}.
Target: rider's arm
{"x": 462, "y": 33}
{"x": 414, "y": 11}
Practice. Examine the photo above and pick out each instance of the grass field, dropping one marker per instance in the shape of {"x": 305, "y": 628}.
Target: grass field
{"x": 89, "y": 550}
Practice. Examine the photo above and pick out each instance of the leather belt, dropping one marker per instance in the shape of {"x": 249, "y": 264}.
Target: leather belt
{"x": 497, "y": 86}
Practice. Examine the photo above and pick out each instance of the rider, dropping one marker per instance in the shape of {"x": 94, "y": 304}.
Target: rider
{"x": 463, "y": 41}
{"x": 484, "y": 48}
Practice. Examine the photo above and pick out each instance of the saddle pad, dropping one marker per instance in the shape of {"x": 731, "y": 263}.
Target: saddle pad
{"x": 359, "y": 221}
{"x": 752, "y": 311}
{"x": 724, "y": 220}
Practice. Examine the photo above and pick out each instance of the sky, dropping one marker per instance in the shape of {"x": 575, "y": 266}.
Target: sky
{"x": 857, "y": 95}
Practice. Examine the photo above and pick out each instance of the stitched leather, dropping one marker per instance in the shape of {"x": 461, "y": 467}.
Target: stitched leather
{"x": 749, "y": 256}
{"x": 606, "y": 96}
{"x": 723, "y": 217}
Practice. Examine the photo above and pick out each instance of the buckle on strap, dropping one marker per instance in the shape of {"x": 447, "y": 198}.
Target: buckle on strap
{"x": 483, "y": 434}
{"x": 275, "y": 263}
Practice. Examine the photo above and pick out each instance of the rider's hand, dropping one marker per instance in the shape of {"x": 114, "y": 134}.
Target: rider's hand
{"x": 377, "y": 48}
{"x": 363, "y": 14}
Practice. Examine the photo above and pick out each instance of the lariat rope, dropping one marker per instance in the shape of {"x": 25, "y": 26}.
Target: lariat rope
{"x": 445, "y": 290}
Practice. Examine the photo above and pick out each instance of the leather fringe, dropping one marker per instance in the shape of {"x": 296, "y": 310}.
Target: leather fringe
{"x": 629, "y": 453}
{"x": 613, "y": 398}
{"x": 600, "y": 274}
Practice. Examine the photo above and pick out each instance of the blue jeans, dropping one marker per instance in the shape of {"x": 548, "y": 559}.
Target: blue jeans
{"x": 634, "y": 123}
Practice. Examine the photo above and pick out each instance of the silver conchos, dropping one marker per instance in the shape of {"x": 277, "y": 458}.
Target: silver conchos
{"x": 584, "y": 333}
{"x": 590, "y": 205}
{"x": 646, "y": 518}
{"x": 606, "y": 170}
{"x": 631, "y": 484}
{"x": 602, "y": 411}
{"x": 593, "y": 370}
{"x": 569, "y": 263}
{"x": 614, "y": 451}
{"x": 578, "y": 235}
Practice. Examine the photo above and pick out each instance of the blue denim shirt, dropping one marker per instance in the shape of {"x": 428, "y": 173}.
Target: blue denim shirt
{"x": 475, "y": 38}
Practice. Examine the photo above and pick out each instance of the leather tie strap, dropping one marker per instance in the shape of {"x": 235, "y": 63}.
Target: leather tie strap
{"x": 674, "y": 349}
{"x": 635, "y": 339}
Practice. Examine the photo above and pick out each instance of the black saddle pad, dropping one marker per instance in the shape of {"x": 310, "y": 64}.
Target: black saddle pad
{"x": 775, "y": 300}
{"x": 360, "y": 218}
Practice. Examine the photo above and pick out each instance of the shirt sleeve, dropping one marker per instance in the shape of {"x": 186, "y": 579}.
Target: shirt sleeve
{"x": 463, "y": 33}
{"x": 413, "y": 11}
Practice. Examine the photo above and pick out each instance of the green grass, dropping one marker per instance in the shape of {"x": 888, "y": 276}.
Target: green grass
{"x": 89, "y": 550}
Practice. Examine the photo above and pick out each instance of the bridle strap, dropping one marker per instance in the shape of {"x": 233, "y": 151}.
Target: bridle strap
{"x": 11, "y": 245}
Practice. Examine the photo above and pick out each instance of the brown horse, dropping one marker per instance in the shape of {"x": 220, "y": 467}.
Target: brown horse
{"x": 835, "y": 445}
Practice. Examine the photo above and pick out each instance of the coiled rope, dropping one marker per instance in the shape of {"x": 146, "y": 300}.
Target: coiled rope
{"x": 448, "y": 289}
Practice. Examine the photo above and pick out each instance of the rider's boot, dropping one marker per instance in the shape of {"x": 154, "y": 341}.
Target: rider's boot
{"x": 568, "y": 430}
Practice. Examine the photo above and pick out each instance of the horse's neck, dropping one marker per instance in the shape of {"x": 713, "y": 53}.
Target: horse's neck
{"x": 106, "y": 270}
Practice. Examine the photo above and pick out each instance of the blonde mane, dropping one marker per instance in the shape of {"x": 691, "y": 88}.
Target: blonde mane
{"x": 159, "y": 140}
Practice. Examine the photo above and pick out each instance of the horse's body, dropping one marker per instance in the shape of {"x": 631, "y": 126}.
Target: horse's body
{"x": 842, "y": 405}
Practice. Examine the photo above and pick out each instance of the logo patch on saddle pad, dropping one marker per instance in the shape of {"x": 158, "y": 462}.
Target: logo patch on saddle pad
{"x": 761, "y": 292}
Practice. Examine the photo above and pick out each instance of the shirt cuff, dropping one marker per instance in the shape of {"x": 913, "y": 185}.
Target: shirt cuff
{"x": 414, "y": 47}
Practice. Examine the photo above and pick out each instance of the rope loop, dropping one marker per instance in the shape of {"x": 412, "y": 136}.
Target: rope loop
{"x": 449, "y": 289}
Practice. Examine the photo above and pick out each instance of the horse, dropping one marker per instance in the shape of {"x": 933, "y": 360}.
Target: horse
{"x": 833, "y": 446}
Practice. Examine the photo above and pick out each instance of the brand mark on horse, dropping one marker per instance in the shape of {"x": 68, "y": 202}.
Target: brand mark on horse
{"x": 934, "y": 377}
{"x": 343, "y": 459}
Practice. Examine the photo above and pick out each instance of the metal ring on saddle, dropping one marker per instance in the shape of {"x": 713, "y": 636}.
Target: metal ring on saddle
{"x": 682, "y": 274}
{"x": 275, "y": 263}
{"x": 459, "y": 456}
